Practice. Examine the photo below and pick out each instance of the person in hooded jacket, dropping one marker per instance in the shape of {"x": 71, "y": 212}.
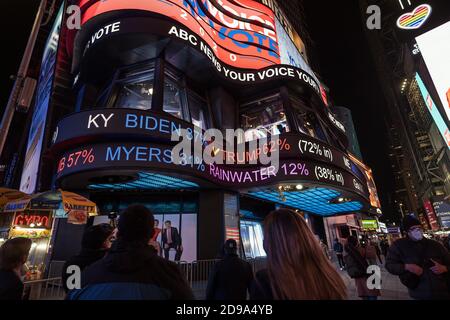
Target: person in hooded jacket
{"x": 231, "y": 277}
{"x": 422, "y": 264}
{"x": 94, "y": 245}
{"x": 132, "y": 270}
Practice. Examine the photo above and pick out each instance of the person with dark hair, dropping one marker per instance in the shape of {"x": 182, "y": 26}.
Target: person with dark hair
{"x": 422, "y": 264}
{"x": 356, "y": 266}
{"x": 95, "y": 243}
{"x": 13, "y": 255}
{"x": 296, "y": 267}
{"x": 231, "y": 277}
{"x": 132, "y": 270}
{"x": 171, "y": 239}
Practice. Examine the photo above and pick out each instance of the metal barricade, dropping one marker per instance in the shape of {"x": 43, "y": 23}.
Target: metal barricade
{"x": 46, "y": 289}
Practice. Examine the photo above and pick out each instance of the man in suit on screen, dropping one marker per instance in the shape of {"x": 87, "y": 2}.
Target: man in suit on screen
{"x": 171, "y": 239}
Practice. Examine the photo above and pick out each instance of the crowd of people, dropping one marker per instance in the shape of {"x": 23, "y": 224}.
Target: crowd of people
{"x": 123, "y": 263}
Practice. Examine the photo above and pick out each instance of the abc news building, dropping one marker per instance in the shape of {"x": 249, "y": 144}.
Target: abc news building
{"x": 140, "y": 70}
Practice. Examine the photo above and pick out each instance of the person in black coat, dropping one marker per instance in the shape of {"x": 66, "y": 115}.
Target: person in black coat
{"x": 231, "y": 277}
{"x": 171, "y": 239}
{"x": 132, "y": 270}
{"x": 13, "y": 255}
{"x": 94, "y": 245}
{"x": 423, "y": 265}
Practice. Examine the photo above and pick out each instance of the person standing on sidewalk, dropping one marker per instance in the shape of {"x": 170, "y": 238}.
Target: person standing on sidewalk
{"x": 231, "y": 277}
{"x": 13, "y": 255}
{"x": 356, "y": 266}
{"x": 422, "y": 265}
{"x": 338, "y": 249}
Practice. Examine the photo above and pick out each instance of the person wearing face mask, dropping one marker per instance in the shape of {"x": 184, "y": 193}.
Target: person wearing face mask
{"x": 422, "y": 264}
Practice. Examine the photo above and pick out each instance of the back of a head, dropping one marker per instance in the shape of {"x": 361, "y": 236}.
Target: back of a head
{"x": 13, "y": 253}
{"x": 230, "y": 247}
{"x": 297, "y": 266}
{"x": 95, "y": 236}
{"x": 136, "y": 224}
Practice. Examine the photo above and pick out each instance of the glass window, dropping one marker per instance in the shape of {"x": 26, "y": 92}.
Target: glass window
{"x": 264, "y": 118}
{"x": 172, "y": 98}
{"x": 136, "y": 94}
{"x": 198, "y": 110}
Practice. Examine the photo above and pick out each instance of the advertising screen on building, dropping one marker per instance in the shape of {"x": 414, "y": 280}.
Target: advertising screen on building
{"x": 44, "y": 91}
{"x": 432, "y": 219}
{"x": 233, "y": 35}
{"x": 252, "y": 239}
{"x": 369, "y": 225}
{"x": 435, "y": 48}
{"x": 432, "y": 108}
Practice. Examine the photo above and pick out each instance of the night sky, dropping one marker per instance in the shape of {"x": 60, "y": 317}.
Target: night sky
{"x": 340, "y": 54}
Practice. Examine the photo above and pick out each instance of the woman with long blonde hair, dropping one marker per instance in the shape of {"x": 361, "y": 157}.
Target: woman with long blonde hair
{"x": 297, "y": 268}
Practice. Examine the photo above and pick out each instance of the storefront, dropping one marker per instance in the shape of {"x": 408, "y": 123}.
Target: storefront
{"x": 146, "y": 71}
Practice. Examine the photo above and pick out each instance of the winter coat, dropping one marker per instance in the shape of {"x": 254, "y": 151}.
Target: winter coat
{"x": 405, "y": 251}
{"x": 230, "y": 279}
{"x": 356, "y": 266}
{"x": 11, "y": 287}
{"x": 132, "y": 272}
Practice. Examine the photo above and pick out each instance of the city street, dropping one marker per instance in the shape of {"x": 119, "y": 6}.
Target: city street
{"x": 208, "y": 150}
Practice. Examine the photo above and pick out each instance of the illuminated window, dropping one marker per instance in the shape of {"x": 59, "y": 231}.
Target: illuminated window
{"x": 199, "y": 110}
{"x": 172, "y": 98}
{"x": 136, "y": 93}
{"x": 263, "y": 118}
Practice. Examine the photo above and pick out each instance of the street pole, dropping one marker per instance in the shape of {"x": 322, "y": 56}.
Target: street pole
{"x": 21, "y": 74}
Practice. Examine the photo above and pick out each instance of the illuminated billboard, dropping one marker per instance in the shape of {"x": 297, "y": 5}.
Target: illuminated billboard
{"x": 245, "y": 41}
{"x": 432, "y": 108}
{"x": 44, "y": 91}
{"x": 369, "y": 225}
{"x": 435, "y": 48}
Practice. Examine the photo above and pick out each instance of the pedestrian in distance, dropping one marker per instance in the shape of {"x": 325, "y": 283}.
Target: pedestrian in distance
{"x": 384, "y": 247}
{"x": 95, "y": 243}
{"x": 422, "y": 264}
{"x": 231, "y": 277}
{"x": 356, "y": 266}
{"x": 338, "y": 249}
{"x": 296, "y": 267}
{"x": 13, "y": 255}
{"x": 132, "y": 270}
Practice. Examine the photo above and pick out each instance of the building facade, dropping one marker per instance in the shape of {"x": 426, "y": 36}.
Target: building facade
{"x": 139, "y": 73}
{"x": 418, "y": 151}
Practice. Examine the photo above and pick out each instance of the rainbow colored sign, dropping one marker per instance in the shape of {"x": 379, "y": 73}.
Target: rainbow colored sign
{"x": 415, "y": 19}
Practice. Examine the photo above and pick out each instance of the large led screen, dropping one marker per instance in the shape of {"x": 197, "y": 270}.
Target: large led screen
{"x": 432, "y": 108}
{"x": 435, "y": 48}
{"x": 44, "y": 91}
{"x": 252, "y": 239}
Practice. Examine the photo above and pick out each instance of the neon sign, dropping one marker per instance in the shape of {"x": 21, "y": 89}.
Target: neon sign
{"x": 415, "y": 19}
{"x": 35, "y": 220}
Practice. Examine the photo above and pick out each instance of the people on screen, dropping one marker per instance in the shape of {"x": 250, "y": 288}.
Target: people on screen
{"x": 171, "y": 239}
